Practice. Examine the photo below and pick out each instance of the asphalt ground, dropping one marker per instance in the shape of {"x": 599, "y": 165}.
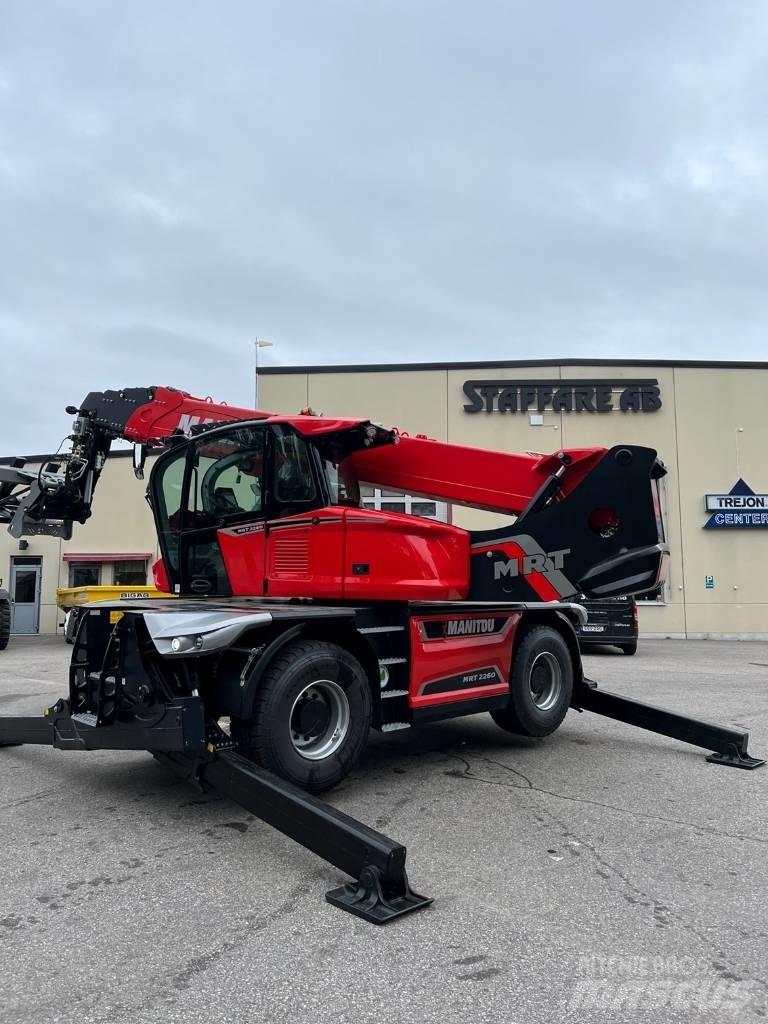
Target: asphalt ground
{"x": 603, "y": 874}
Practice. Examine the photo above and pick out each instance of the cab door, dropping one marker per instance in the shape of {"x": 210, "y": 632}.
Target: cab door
{"x": 209, "y": 500}
{"x": 224, "y": 539}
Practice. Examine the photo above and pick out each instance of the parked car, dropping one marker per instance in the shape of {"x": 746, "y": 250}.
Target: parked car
{"x": 611, "y": 621}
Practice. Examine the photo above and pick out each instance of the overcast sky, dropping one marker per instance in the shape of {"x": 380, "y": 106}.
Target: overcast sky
{"x": 361, "y": 180}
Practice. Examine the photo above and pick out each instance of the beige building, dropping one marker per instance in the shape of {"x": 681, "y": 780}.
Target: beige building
{"x": 707, "y": 421}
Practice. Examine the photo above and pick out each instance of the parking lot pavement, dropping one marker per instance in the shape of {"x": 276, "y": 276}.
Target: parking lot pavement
{"x": 602, "y": 874}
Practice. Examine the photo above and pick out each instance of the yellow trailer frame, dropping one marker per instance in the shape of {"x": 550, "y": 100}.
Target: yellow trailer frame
{"x": 68, "y": 598}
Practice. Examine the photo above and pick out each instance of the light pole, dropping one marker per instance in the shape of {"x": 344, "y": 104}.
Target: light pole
{"x": 258, "y": 343}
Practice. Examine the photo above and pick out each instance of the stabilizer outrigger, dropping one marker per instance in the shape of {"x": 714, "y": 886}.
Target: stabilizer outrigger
{"x": 728, "y": 745}
{"x": 206, "y": 756}
{"x": 380, "y": 890}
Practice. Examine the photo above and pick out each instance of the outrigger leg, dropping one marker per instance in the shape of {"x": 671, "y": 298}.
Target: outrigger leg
{"x": 729, "y": 745}
{"x": 380, "y": 890}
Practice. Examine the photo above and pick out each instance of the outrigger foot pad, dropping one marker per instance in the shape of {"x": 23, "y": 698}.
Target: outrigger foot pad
{"x": 366, "y": 898}
{"x": 732, "y": 757}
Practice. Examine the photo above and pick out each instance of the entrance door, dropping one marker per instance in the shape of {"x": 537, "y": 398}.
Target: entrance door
{"x": 25, "y": 596}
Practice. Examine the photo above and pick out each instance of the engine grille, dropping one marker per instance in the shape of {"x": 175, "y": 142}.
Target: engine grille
{"x": 290, "y": 552}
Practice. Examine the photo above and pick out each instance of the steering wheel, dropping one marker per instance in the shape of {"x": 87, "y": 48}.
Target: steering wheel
{"x": 214, "y": 500}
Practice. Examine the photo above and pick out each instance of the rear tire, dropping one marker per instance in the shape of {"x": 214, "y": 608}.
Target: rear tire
{"x": 5, "y": 624}
{"x": 630, "y": 648}
{"x": 311, "y": 716}
{"x": 540, "y": 686}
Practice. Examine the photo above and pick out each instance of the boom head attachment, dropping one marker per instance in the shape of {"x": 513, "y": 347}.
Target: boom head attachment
{"x": 49, "y": 499}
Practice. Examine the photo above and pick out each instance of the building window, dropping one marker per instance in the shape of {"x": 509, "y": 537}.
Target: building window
{"x": 395, "y": 501}
{"x": 130, "y": 574}
{"x": 84, "y": 574}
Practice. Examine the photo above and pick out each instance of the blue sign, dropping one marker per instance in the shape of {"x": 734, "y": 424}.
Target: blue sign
{"x": 740, "y": 508}
{"x": 709, "y": 582}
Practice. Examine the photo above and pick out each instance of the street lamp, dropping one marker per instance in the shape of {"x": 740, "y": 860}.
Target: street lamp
{"x": 259, "y": 343}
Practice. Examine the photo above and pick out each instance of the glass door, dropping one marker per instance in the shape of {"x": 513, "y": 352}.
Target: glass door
{"x": 25, "y": 595}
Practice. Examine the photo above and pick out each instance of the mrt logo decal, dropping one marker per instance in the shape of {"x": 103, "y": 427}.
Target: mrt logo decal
{"x": 537, "y": 562}
{"x": 525, "y": 557}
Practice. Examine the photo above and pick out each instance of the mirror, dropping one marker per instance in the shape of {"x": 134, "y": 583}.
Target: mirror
{"x": 139, "y": 458}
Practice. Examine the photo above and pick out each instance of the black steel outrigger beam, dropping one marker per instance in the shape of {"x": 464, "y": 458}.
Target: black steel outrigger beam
{"x": 380, "y": 890}
{"x": 729, "y": 745}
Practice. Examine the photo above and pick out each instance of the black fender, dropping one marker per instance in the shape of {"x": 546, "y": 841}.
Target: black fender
{"x": 254, "y": 672}
{"x": 239, "y": 691}
{"x": 562, "y": 623}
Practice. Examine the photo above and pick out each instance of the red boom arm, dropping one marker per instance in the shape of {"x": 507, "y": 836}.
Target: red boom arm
{"x": 481, "y": 478}
{"x": 497, "y": 481}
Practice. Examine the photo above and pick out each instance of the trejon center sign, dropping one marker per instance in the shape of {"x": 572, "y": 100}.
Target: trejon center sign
{"x": 741, "y": 507}
{"x": 559, "y": 395}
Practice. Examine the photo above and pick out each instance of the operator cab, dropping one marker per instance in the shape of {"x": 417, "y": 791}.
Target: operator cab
{"x": 255, "y": 508}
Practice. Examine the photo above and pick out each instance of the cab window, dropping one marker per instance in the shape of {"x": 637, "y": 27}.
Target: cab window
{"x": 227, "y": 476}
{"x": 294, "y": 487}
{"x": 342, "y": 485}
{"x": 167, "y": 486}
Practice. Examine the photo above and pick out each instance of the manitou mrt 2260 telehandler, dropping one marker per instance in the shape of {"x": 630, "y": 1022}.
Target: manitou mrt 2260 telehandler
{"x": 304, "y": 619}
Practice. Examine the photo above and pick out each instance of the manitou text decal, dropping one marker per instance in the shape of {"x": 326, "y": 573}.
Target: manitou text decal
{"x": 741, "y": 507}
{"x": 468, "y": 627}
{"x": 579, "y": 395}
{"x": 538, "y": 562}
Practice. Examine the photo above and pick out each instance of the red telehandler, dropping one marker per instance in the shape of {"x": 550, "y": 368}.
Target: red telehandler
{"x": 303, "y": 619}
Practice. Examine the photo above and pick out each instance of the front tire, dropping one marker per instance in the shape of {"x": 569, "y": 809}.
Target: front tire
{"x": 311, "y": 716}
{"x": 5, "y": 624}
{"x": 540, "y": 686}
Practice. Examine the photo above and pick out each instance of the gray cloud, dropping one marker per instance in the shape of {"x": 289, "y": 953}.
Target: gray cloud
{"x": 374, "y": 181}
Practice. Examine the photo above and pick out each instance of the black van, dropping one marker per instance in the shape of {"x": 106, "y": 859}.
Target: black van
{"x": 611, "y": 621}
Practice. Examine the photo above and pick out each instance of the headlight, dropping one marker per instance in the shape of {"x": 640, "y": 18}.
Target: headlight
{"x": 181, "y": 644}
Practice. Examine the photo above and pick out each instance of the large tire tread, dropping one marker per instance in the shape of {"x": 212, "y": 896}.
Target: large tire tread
{"x": 521, "y": 716}
{"x": 261, "y": 739}
{"x": 5, "y": 624}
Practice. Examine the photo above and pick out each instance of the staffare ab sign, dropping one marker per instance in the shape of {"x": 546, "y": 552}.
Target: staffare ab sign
{"x": 741, "y": 507}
